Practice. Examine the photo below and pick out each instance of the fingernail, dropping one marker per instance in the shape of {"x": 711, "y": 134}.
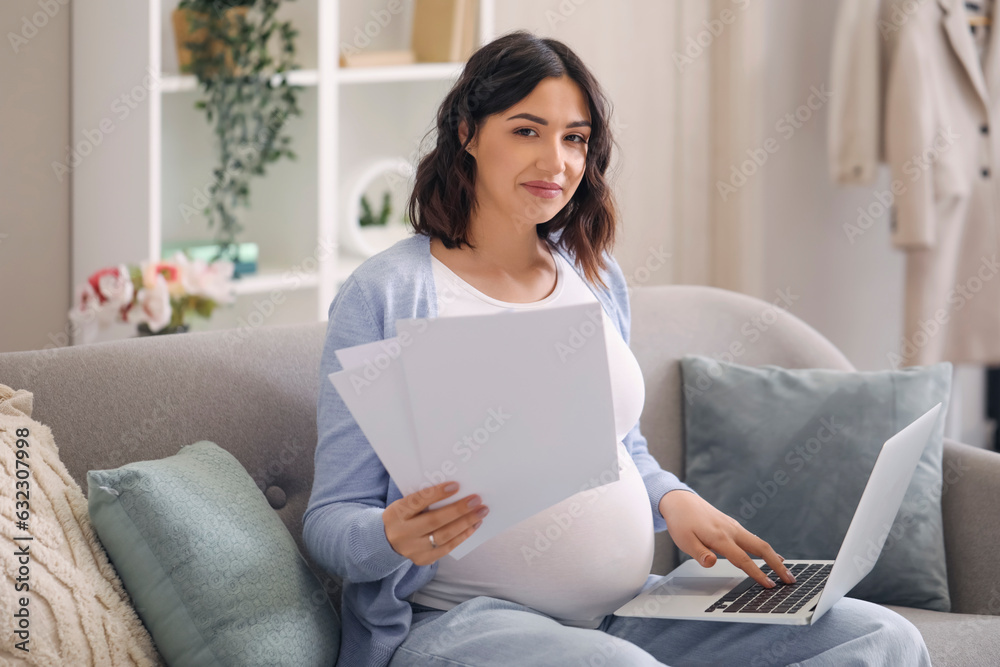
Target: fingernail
{"x": 790, "y": 575}
{"x": 483, "y": 511}
{"x": 771, "y": 584}
{"x": 450, "y": 486}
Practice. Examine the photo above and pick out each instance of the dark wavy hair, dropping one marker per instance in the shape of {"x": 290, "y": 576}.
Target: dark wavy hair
{"x": 496, "y": 77}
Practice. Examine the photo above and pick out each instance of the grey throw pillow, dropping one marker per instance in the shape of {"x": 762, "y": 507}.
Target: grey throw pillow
{"x": 787, "y": 452}
{"x": 211, "y": 568}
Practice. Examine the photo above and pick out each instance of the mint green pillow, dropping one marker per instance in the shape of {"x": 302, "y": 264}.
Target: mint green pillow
{"x": 788, "y": 452}
{"x": 212, "y": 570}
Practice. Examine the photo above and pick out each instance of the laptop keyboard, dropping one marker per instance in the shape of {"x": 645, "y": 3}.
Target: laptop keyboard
{"x": 749, "y": 597}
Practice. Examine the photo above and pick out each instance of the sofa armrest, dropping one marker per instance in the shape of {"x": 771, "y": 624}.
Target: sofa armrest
{"x": 970, "y": 504}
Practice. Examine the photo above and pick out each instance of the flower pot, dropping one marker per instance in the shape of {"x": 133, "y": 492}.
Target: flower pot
{"x": 144, "y": 330}
{"x": 183, "y": 35}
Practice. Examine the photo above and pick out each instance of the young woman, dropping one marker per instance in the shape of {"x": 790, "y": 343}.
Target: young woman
{"x": 511, "y": 210}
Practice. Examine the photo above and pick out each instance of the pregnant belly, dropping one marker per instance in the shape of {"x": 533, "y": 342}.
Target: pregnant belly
{"x": 576, "y": 561}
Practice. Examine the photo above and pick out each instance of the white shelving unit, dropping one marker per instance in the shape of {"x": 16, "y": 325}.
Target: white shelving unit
{"x": 145, "y": 151}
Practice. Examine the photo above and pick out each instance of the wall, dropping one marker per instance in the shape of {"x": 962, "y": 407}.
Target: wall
{"x": 35, "y": 291}
{"x": 852, "y": 292}
{"x": 629, "y": 53}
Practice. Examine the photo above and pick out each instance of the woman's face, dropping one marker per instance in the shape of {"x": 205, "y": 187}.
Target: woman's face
{"x": 541, "y": 140}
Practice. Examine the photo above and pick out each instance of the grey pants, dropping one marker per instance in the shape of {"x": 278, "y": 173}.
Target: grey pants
{"x": 486, "y": 631}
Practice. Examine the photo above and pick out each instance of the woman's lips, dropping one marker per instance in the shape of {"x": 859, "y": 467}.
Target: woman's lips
{"x": 545, "y": 193}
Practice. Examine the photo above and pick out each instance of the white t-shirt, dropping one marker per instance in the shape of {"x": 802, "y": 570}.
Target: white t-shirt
{"x": 584, "y": 557}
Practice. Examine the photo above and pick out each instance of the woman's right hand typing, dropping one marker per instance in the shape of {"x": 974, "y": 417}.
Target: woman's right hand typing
{"x": 408, "y": 522}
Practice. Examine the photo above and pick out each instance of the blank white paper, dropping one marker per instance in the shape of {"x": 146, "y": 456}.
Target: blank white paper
{"x": 515, "y": 406}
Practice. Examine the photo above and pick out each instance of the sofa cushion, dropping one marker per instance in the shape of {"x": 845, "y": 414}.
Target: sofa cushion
{"x": 62, "y": 602}
{"x": 213, "y": 571}
{"x": 788, "y": 452}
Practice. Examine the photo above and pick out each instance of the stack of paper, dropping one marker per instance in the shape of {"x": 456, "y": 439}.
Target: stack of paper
{"x": 515, "y": 406}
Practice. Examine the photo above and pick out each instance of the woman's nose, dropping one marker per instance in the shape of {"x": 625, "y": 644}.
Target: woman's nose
{"x": 552, "y": 157}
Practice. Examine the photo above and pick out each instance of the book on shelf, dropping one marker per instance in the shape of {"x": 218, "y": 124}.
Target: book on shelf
{"x": 248, "y": 254}
{"x": 443, "y": 30}
{"x": 377, "y": 58}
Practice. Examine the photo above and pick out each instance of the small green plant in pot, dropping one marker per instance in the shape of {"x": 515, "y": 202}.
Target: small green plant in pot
{"x": 368, "y": 217}
{"x": 246, "y": 97}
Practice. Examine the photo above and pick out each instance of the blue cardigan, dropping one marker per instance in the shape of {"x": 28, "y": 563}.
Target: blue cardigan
{"x": 342, "y": 525}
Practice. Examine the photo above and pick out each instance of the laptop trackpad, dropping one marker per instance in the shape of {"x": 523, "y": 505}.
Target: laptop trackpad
{"x": 696, "y": 585}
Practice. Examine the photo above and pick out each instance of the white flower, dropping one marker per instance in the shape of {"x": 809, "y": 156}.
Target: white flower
{"x": 85, "y": 314}
{"x": 212, "y": 281}
{"x": 116, "y": 291}
{"x": 153, "y": 305}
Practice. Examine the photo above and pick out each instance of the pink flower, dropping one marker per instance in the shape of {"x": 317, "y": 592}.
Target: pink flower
{"x": 169, "y": 271}
{"x": 152, "y": 305}
{"x": 211, "y": 281}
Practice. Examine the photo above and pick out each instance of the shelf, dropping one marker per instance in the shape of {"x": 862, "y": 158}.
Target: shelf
{"x": 268, "y": 280}
{"x": 284, "y": 280}
{"x": 177, "y": 83}
{"x": 418, "y": 72}
{"x": 164, "y": 159}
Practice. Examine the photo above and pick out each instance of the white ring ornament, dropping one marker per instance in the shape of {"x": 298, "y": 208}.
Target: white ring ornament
{"x": 371, "y": 239}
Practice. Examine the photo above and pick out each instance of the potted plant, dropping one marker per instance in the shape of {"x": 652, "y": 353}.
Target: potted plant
{"x": 367, "y": 231}
{"x": 246, "y": 98}
{"x": 157, "y": 297}
{"x": 191, "y": 20}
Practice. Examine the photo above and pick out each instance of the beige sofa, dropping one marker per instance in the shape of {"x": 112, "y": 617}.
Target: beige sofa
{"x": 253, "y": 391}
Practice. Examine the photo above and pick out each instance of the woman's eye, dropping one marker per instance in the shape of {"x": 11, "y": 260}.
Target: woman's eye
{"x": 523, "y": 129}
{"x": 580, "y": 139}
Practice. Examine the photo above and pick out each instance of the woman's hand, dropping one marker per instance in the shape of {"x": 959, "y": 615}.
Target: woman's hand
{"x": 698, "y": 529}
{"x": 408, "y": 524}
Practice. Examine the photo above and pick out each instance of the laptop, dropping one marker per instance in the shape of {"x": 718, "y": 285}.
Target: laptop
{"x": 724, "y": 592}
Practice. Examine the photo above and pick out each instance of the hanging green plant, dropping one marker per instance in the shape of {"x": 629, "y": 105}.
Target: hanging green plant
{"x": 246, "y": 98}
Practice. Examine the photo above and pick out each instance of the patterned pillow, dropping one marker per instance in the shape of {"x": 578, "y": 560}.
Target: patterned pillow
{"x": 213, "y": 571}
{"x": 60, "y": 596}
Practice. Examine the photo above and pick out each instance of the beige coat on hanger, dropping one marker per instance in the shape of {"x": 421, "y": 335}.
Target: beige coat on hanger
{"x": 942, "y": 132}
{"x": 864, "y": 41}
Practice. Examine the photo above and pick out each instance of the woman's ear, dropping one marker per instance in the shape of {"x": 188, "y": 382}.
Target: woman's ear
{"x": 463, "y": 133}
